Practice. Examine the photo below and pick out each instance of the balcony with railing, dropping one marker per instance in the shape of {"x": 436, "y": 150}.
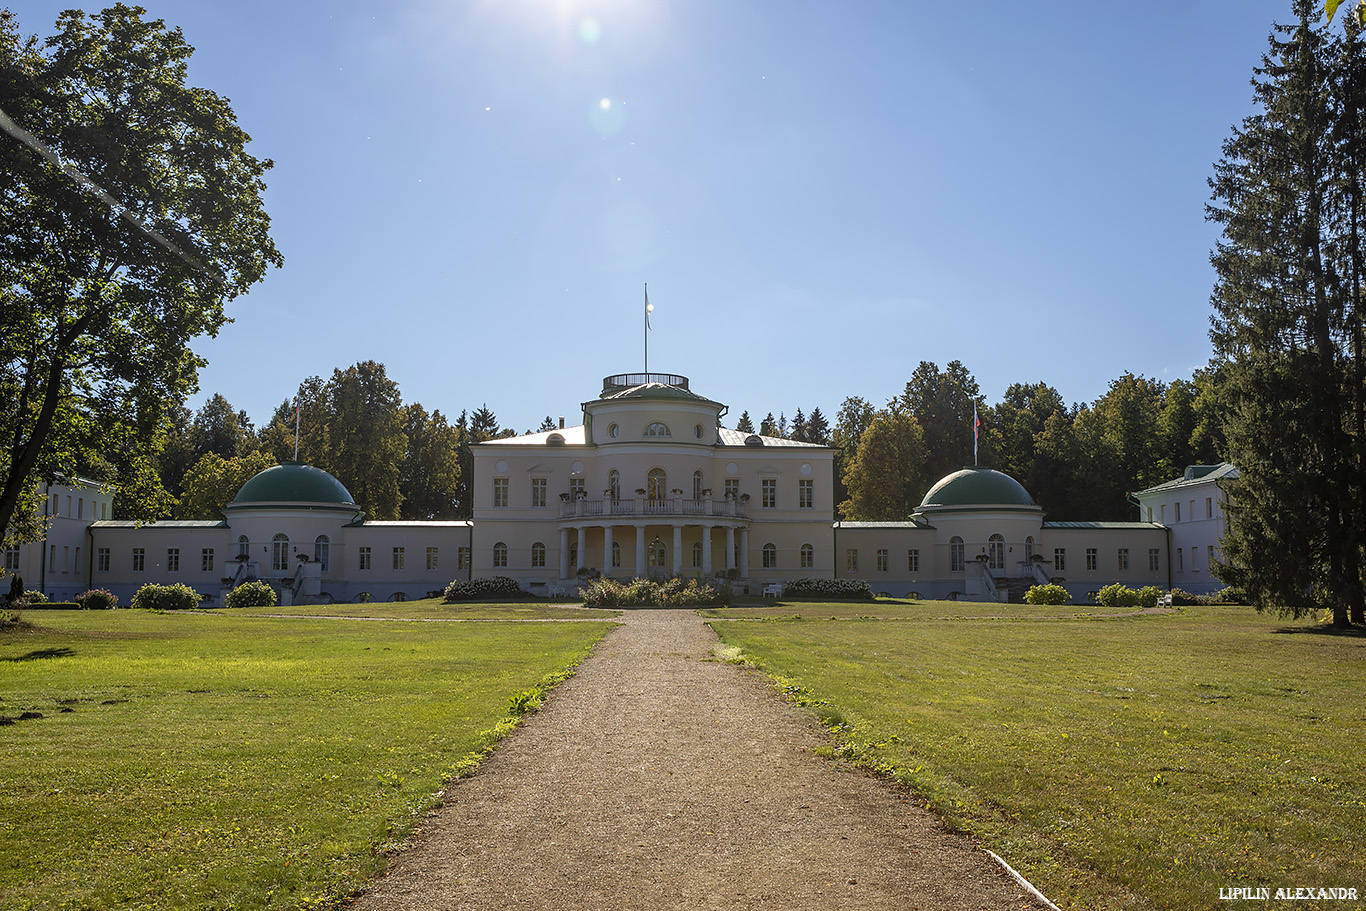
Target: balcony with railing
{"x": 664, "y": 508}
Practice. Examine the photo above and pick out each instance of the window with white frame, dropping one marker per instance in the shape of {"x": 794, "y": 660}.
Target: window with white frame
{"x": 102, "y": 560}
{"x": 500, "y": 492}
{"x": 808, "y": 556}
{"x": 770, "y": 556}
{"x": 206, "y": 560}
{"x": 322, "y": 551}
{"x": 1122, "y": 557}
{"x": 657, "y": 485}
{"x": 12, "y": 558}
{"x": 538, "y": 555}
{"x": 173, "y": 559}
{"x": 996, "y": 552}
{"x": 363, "y": 557}
{"x": 576, "y": 489}
{"x": 616, "y": 553}
{"x": 1195, "y": 565}
{"x": 500, "y": 554}
{"x": 851, "y": 559}
{"x": 1060, "y": 559}
{"x": 1209, "y": 555}
{"x": 462, "y": 559}
{"x": 913, "y": 560}
{"x": 243, "y": 546}
{"x": 1154, "y": 559}
{"x": 279, "y": 553}
{"x": 883, "y": 559}
{"x": 398, "y": 559}
{"x": 770, "y": 493}
{"x": 955, "y": 554}
{"x": 696, "y": 554}
{"x": 432, "y": 559}
{"x": 538, "y": 488}
{"x": 806, "y": 493}
{"x": 1180, "y": 560}
{"x": 1092, "y": 559}
{"x": 656, "y": 429}
{"x": 697, "y": 483}
{"x": 139, "y": 559}
{"x": 732, "y": 488}
{"x": 1209, "y": 507}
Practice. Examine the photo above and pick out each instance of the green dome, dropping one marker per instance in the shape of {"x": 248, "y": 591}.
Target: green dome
{"x": 977, "y": 487}
{"x": 294, "y": 482}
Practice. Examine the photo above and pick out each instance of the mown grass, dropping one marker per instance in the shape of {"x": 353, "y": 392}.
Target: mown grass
{"x": 434, "y": 609}
{"x": 213, "y": 761}
{"x": 1136, "y": 763}
{"x": 896, "y": 609}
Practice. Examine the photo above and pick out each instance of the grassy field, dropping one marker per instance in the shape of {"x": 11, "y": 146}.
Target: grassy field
{"x": 430, "y": 609}
{"x": 1134, "y": 763}
{"x": 221, "y": 761}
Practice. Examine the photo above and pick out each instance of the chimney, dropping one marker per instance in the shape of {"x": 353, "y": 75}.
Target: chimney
{"x": 561, "y": 422}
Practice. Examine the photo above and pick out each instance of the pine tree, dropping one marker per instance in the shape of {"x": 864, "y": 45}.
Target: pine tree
{"x": 1287, "y": 327}
{"x": 745, "y": 425}
{"x": 817, "y": 427}
{"x": 768, "y": 427}
{"x": 799, "y": 427}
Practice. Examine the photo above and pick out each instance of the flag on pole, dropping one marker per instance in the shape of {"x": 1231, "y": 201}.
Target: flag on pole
{"x": 976, "y": 426}
{"x": 648, "y": 307}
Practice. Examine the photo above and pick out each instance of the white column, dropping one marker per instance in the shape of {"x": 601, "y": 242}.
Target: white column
{"x": 640, "y": 551}
{"x": 730, "y": 547}
{"x": 678, "y": 550}
{"x": 564, "y": 553}
{"x": 744, "y": 553}
{"x": 706, "y": 551}
{"x": 607, "y": 550}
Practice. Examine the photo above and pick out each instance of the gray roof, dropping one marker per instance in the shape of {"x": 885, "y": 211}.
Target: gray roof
{"x": 1196, "y": 474}
{"x": 913, "y": 522}
{"x": 655, "y": 391}
{"x": 736, "y": 438}
{"x": 1103, "y": 525}
{"x": 417, "y": 523}
{"x": 160, "y": 523}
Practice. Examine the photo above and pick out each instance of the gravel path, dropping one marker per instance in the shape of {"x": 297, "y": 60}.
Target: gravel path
{"x": 659, "y": 779}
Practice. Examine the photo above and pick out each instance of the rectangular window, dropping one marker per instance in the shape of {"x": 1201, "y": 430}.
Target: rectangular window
{"x": 1123, "y": 558}
{"x": 1180, "y": 560}
{"x": 733, "y": 488}
{"x": 206, "y": 560}
{"x": 806, "y": 493}
{"x": 173, "y": 559}
{"x": 770, "y": 491}
{"x": 431, "y": 559}
{"x": 851, "y": 560}
{"x": 68, "y": 506}
{"x": 1060, "y": 559}
{"x": 56, "y": 503}
{"x": 882, "y": 560}
{"x": 1195, "y": 566}
{"x": 1154, "y": 559}
{"x": 52, "y": 559}
{"x": 538, "y": 486}
{"x": 500, "y": 492}
{"x": 1150, "y": 513}
{"x": 462, "y": 559}
{"x": 139, "y": 559}
{"x": 104, "y": 511}
{"x": 1190, "y": 516}
{"x": 576, "y": 489}
{"x": 1209, "y": 507}
{"x": 1178, "y": 511}
{"x": 365, "y": 558}
{"x": 913, "y": 561}
{"x": 80, "y": 507}
{"x": 11, "y": 559}
{"x": 1091, "y": 559}
{"x": 398, "y": 558}
{"x": 102, "y": 560}
{"x": 1209, "y": 554}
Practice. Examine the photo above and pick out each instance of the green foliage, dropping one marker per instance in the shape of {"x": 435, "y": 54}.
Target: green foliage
{"x": 676, "y": 592}
{"x": 886, "y": 476}
{"x": 1052, "y": 593}
{"x": 251, "y": 594}
{"x": 101, "y": 301}
{"x": 828, "y": 589}
{"x": 495, "y": 588}
{"x": 213, "y": 481}
{"x": 1149, "y": 595}
{"x": 166, "y": 597}
{"x": 97, "y": 599}
{"x": 1117, "y": 594}
{"x": 35, "y": 597}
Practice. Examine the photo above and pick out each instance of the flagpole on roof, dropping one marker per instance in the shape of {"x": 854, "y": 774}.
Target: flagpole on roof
{"x": 296, "y": 430}
{"x": 648, "y": 308}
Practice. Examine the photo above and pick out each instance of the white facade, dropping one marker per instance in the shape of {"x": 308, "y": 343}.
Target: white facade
{"x": 1192, "y": 507}
{"x": 59, "y": 564}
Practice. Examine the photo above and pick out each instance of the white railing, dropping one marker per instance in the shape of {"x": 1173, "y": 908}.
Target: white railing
{"x": 644, "y": 506}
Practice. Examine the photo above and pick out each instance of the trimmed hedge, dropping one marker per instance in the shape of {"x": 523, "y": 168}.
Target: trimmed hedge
{"x": 166, "y": 597}
{"x": 1052, "y": 593}
{"x": 645, "y": 593}
{"x": 251, "y": 594}
{"x": 1117, "y": 594}
{"x": 496, "y": 588}
{"x": 828, "y": 589}
{"x": 97, "y": 599}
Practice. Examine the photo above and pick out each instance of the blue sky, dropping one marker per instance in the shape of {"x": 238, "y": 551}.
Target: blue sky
{"x": 820, "y": 195}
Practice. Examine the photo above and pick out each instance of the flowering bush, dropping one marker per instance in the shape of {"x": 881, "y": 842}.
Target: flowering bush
{"x": 675, "y": 592}
{"x": 251, "y": 594}
{"x": 828, "y": 589}
{"x": 496, "y": 588}
{"x": 1052, "y": 593}
{"x": 166, "y": 597}
{"x": 97, "y": 599}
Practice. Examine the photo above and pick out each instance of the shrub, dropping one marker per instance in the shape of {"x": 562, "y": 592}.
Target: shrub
{"x": 1052, "y": 593}
{"x": 676, "y": 592}
{"x": 97, "y": 599}
{"x": 828, "y": 589}
{"x": 251, "y": 594}
{"x": 33, "y": 597}
{"x": 1117, "y": 594}
{"x": 166, "y": 597}
{"x": 497, "y": 588}
{"x": 1149, "y": 595}
{"x": 1186, "y": 599}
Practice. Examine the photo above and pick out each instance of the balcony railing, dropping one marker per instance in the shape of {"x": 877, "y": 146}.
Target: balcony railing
{"x": 644, "y": 506}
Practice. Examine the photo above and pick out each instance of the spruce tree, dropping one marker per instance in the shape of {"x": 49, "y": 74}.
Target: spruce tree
{"x": 1286, "y": 327}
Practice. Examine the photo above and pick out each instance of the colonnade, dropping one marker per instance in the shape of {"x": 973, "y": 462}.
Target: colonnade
{"x": 732, "y": 531}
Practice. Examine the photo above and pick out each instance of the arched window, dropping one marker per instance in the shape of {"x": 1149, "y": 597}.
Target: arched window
{"x": 996, "y": 552}
{"x": 1029, "y": 548}
{"x": 656, "y": 429}
{"x": 243, "y": 546}
{"x": 538, "y": 554}
{"x": 616, "y": 553}
{"x": 697, "y": 485}
{"x": 808, "y": 556}
{"x": 657, "y": 554}
{"x": 500, "y": 554}
{"x": 955, "y": 554}
{"x": 399, "y": 596}
{"x": 574, "y": 555}
{"x": 322, "y": 551}
{"x": 697, "y": 555}
{"x": 614, "y": 485}
{"x": 657, "y": 485}
{"x": 770, "y": 556}
{"x": 279, "y": 553}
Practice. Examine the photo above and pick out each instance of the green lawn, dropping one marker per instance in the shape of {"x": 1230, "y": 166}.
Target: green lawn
{"x": 433, "y": 609}
{"x": 221, "y": 761}
{"x": 1133, "y": 763}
